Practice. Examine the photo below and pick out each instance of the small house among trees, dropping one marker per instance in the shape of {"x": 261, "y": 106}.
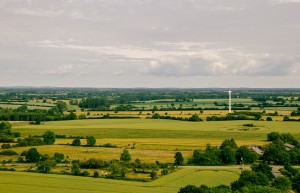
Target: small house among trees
{"x": 288, "y": 146}
{"x": 255, "y": 149}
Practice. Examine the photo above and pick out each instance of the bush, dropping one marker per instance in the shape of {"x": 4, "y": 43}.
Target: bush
{"x": 269, "y": 119}
{"x": 96, "y": 174}
{"x": 8, "y": 152}
{"x": 76, "y": 142}
{"x": 6, "y": 146}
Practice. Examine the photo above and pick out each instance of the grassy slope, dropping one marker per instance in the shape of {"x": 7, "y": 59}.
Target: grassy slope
{"x": 14, "y": 182}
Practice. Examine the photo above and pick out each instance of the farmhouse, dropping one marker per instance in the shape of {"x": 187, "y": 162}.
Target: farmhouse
{"x": 288, "y": 146}
{"x": 255, "y": 149}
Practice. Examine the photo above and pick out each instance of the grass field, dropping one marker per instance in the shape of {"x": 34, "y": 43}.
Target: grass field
{"x": 152, "y": 139}
{"x": 15, "y": 182}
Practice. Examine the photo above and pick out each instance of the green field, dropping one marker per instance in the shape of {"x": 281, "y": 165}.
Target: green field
{"x": 15, "y": 182}
{"x": 152, "y": 139}
{"x": 164, "y": 129}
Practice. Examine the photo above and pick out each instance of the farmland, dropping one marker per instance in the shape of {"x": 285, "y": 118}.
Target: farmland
{"x": 151, "y": 130}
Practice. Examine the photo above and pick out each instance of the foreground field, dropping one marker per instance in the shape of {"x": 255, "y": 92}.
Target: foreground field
{"x": 15, "y": 182}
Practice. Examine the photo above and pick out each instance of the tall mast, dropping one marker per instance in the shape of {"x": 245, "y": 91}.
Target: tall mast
{"x": 229, "y": 103}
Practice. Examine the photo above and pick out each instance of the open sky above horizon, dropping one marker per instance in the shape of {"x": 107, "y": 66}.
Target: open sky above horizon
{"x": 150, "y": 43}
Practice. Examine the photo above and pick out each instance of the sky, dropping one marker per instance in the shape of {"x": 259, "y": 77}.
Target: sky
{"x": 150, "y": 43}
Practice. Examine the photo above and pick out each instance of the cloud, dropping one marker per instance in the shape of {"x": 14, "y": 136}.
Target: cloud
{"x": 221, "y": 65}
{"x": 285, "y": 1}
{"x": 60, "y": 70}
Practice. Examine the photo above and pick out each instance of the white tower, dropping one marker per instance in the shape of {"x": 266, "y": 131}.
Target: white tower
{"x": 229, "y": 102}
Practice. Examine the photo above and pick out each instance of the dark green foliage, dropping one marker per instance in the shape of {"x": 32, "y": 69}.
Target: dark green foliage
{"x": 32, "y": 155}
{"x": 269, "y": 119}
{"x": 164, "y": 172}
{"x": 49, "y": 137}
{"x": 205, "y": 189}
{"x": 296, "y": 183}
{"x": 75, "y": 168}
{"x": 153, "y": 175}
{"x": 189, "y": 189}
{"x": 228, "y": 155}
{"x": 46, "y": 166}
{"x": 76, "y": 142}
{"x": 96, "y": 174}
{"x": 259, "y": 189}
{"x": 59, "y": 157}
{"x": 273, "y": 136}
{"x": 117, "y": 169}
{"x": 276, "y": 153}
{"x": 178, "y": 159}
{"x": 125, "y": 156}
{"x": 6, "y": 146}
{"x": 250, "y": 178}
{"x": 282, "y": 183}
{"x": 8, "y": 152}
{"x": 265, "y": 169}
{"x": 30, "y": 141}
{"x": 5, "y": 132}
{"x": 231, "y": 143}
{"x": 93, "y": 164}
{"x": 245, "y": 156}
{"x": 91, "y": 141}
{"x": 95, "y": 103}
{"x": 195, "y": 118}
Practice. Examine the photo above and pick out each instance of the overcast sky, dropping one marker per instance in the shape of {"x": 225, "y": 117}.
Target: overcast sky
{"x": 150, "y": 43}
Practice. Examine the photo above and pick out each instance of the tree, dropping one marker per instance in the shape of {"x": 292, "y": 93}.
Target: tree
{"x": 282, "y": 183}
{"x": 59, "y": 157}
{"x": 32, "y": 155}
{"x": 178, "y": 159}
{"x": 231, "y": 143}
{"x": 46, "y": 165}
{"x": 273, "y": 136}
{"x": 90, "y": 141}
{"x": 49, "y": 137}
{"x": 76, "y": 142}
{"x": 269, "y": 119}
{"x": 195, "y": 118}
{"x": 265, "y": 169}
{"x": 125, "y": 156}
{"x": 189, "y": 189}
{"x": 244, "y": 155}
{"x": 228, "y": 155}
{"x": 75, "y": 168}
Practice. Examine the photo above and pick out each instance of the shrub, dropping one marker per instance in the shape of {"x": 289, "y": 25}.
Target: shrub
{"x": 76, "y": 142}
{"x": 8, "y": 152}
{"x": 6, "y": 146}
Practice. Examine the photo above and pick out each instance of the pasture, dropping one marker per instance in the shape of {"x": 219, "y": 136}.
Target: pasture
{"x": 149, "y": 139}
{"x": 15, "y": 182}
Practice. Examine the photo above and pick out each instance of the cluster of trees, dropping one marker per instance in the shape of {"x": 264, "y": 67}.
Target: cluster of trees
{"x": 120, "y": 168}
{"x": 37, "y": 115}
{"x": 276, "y": 152}
{"x": 259, "y": 179}
{"x": 244, "y": 115}
{"x": 95, "y": 103}
{"x": 194, "y": 117}
{"x": 43, "y": 162}
{"x": 6, "y": 135}
{"x": 90, "y": 141}
{"x": 228, "y": 153}
{"x": 296, "y": 113}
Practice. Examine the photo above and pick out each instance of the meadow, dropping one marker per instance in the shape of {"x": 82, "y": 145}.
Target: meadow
{"x": 148, "y": 139}
{"x": 15, "y": 182}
